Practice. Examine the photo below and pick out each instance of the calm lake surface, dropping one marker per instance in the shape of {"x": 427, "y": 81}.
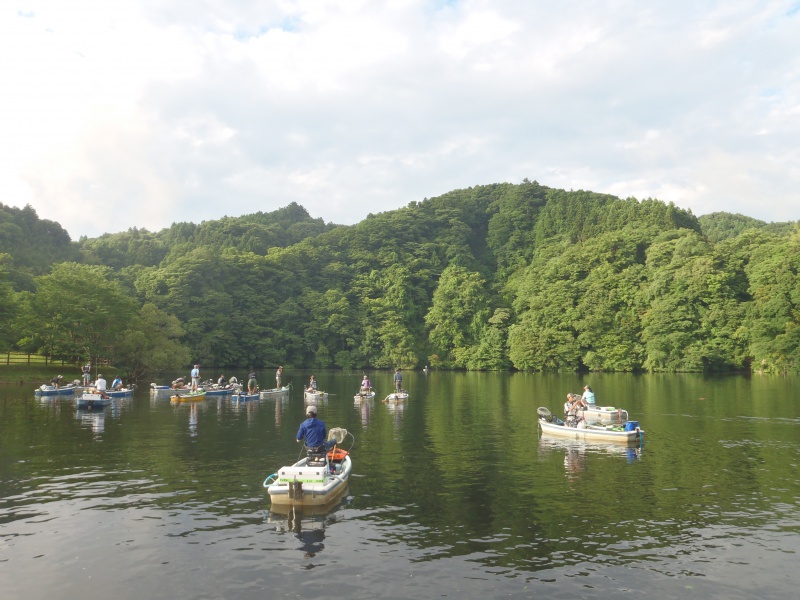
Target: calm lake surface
{"x": 453, "y": 494}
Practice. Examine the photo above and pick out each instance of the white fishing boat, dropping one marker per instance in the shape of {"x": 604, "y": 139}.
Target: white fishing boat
{"x": 314, "y": 395}
{"x": 364, "y": 395}
{"x": 92, "y": 400}
{"x": 579, "y": 429}
{"x": 315, "y": 480}
{"x": 275, "y": 392}
{"x": 397, "y": 396}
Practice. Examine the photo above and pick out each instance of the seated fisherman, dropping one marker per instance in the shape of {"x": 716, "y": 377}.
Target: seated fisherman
{"x": 313, "y": 431}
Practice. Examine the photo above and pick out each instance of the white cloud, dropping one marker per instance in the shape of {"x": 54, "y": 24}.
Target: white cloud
{"x": 142, "y": 113}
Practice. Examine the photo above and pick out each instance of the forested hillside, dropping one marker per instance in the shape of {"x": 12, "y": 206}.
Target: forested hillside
{"x": 492, "y": 277}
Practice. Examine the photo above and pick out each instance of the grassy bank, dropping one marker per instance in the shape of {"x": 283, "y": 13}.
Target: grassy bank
{"x": 39, "y": 374}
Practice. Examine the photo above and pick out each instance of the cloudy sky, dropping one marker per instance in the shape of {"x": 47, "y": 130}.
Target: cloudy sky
{"x": 142, "y": 113}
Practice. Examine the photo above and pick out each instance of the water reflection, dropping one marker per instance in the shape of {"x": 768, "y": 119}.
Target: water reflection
{"x": 93, "y": 419}
{"x": 364, "y": 406}
{"x": 307, "y": 524}
{"x": 576, "y": 453}
{"x": 193, "y": 408}
{"x": 396, "y": 409}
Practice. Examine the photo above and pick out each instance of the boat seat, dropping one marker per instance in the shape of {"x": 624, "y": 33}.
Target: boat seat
{"x": 315, "y": 457}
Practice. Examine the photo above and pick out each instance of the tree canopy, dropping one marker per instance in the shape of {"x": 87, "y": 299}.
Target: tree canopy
{"x": 501, "y": 276}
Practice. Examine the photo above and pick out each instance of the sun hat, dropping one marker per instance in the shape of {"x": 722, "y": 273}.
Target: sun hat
{"x": 311, "y": 410}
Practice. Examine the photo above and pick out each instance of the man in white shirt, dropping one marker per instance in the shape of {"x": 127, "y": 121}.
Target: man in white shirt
{"x": 100, "y": 385}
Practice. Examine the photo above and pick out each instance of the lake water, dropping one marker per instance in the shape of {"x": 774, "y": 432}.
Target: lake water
{"x": 453, "y": 494}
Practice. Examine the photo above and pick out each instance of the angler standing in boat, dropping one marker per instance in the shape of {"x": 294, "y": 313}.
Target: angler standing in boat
{"x": 313, "y": 431}
{"x": 278, "y": 375}
{"x": 87, "y": 374}
{"x": 195, "y": 378}
{"x": 252, "y": 384}
{"x": 398, "y": 380}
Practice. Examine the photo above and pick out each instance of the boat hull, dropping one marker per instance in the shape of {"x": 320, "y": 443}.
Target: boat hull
{"x": 245, "y": 397}
{"x": 313, "y": 492}
{"x": 315, "y": 395}
{"x": 189, "y": 397}
{"x": 119, "y": 393}
{"x": 62, "y": 391}
{"x": 273, "y": 393}
{"x": 592, "y": 433}
{"x": 397, "y": 396}
{"x": 220, "y": 392}
{"x": 92, "y": 401}
{"x": 364, "y": 396}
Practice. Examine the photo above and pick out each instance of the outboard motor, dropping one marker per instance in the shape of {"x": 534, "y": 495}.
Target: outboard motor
{"x": 544, "y": 414}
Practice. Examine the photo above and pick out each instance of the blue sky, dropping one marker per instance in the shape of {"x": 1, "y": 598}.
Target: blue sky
{"x": 140, "y": 113}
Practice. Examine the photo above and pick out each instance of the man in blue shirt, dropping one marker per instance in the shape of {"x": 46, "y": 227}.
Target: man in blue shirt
{"x": 313, "y": 430}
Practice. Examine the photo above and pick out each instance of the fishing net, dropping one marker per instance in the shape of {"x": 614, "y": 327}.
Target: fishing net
{"x": 338, "y": 434}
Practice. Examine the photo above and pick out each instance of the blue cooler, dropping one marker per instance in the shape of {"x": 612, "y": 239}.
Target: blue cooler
{"x": 631, "y": 425}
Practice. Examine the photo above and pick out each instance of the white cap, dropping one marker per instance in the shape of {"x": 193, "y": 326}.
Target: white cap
{"x": 311, "y": 410}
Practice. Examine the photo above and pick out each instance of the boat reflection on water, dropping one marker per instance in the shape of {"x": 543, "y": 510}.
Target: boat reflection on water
{"x": 95, "y": 417}
{"x": 94, "y": 420}
{"x": 576, "y": 452}
{"x": 364, "y": 406}
{"x": 307, "y": 523}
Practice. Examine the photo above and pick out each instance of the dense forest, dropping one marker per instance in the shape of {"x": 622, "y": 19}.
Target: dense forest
{"x": 492, "y": 277}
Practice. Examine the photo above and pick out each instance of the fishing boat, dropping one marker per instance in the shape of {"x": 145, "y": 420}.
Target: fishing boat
{"x": 120, "y": 393}
{"x": 220, "y": 391}
{"x": 396, "y": 396}
{"x": 364, "y": 395}
{"x": 628, "y": 432}
{"x": 63, "y": 390}
{"x": 315, "y": 395}
{"x": 92, "y": 400}
{"x": 274, "y": 392}
{"x": 315, "y": 480}
{"x": 167, "y": 391}
{"x": 245, "y": 397}
{"x": 190, "y": 397}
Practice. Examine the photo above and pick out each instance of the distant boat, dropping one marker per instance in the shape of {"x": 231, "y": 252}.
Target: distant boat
{"x": 364, "y": 395}
{"x": 64, "y": 390}
{"x": 220, "y": 391}
{"x": 394, "y": 397}
{"x": 621, "y": 433}
{"x": 281, "y": 391}
{"x": 190, "y": 397}
{"x": 315, "y": 395}
{"x": 90, "y": 400}
{"x": 120, "y": 393}
{"x": 245, "y": 397}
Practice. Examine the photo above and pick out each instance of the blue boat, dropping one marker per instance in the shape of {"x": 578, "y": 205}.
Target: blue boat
{"x": 225, "y": 391}
{"x": 242, "y": 397}
{"x": 91, "y": 401}
{"x": 64, "y": 390}
{"x": 121, "y": 393}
